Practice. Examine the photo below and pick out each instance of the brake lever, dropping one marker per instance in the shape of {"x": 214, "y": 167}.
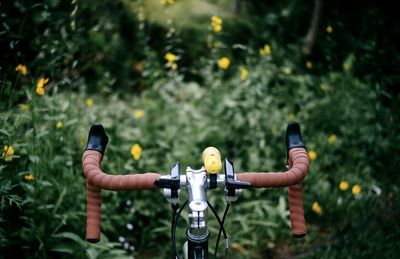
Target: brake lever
{"x": 232, "y": 185}
{"x": 171, "y": 186}
{"x": 173, "y": 183}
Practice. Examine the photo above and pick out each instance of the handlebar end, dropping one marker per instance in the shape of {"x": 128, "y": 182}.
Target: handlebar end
{"x": 93, "y": 240}
{"x": 300, "y": 235}
{"x": 97, "y": 139}
{"x": 293, "y": 136}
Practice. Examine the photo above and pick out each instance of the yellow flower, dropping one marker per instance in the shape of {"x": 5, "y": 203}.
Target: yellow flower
{"x": 216, "y": 20}
{"x": 40, "y": 85}
{"x": 224, "y": 62}
{"x": 170, "y": 57}
{"x": 309, "y": 64}
{"x": 266, "y": 50}
{"x": 332, "y": 138}
{"x": 312, "y": 155}
{"x": 29, "y": 177}
{"x": 343, "y": 185}
{"x": 244, "y": 73}
{"x": 41, "y": 82}
{"x": 217, "y": 28}
{"x": 136, "y": 151}
{"x": 89, "y": 102}
{"x": 59, "y": 124}
{"x": 22, "y": 69}
{"x": 287, "y": 70}
{"x": 316, "y": 208}
{"x": 329, "y": 29}
{"x": 356, "y": 189}
{"x": 40, "y": 91}
{"x": 8, "y": 152}
{"x": 24, "y": 107}
{"x": 216, "y": 23}
{"x": 138, "y": 114}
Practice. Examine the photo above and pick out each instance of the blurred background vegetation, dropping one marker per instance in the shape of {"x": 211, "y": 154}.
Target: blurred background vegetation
{"x": 176, "y": 76}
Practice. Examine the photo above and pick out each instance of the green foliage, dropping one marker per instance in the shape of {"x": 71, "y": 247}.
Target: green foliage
{"x": 106, "y": 63}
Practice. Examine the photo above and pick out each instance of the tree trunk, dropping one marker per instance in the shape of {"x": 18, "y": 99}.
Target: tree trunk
{"x": 312, "y": 30}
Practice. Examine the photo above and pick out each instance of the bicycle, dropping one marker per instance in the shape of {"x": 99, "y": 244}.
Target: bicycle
{"x": 197, "y": 182}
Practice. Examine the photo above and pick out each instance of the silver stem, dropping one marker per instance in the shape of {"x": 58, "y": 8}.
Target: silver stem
{"x": 196, "y": 184}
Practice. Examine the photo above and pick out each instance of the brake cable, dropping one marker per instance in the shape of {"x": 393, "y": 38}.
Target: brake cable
{"x": 219, "y": 232}
{"x": 175, "y": 217}
{"x": 221, "y": 226}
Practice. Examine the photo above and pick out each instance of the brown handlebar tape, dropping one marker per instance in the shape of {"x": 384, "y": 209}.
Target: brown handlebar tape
{"x": 95, "y": 176}
{"x": 93, "y": 212}
{"x": 296, "y": 211}
{"x": 299, "y": 164}
{"x": 96, "y": 180}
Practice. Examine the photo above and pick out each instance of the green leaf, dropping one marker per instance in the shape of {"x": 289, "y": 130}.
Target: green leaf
{"x": 61, "y": 248}
{"x": 73, "y": 237}
{"x": 3, "y": 131}
{"x": 60, "y": 199}
{"x": 92, "y": 253}
{"x": 34, "y": 158}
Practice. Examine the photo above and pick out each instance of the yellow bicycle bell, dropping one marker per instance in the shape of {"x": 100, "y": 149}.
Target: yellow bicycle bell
{"x": 212, "y": 160}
